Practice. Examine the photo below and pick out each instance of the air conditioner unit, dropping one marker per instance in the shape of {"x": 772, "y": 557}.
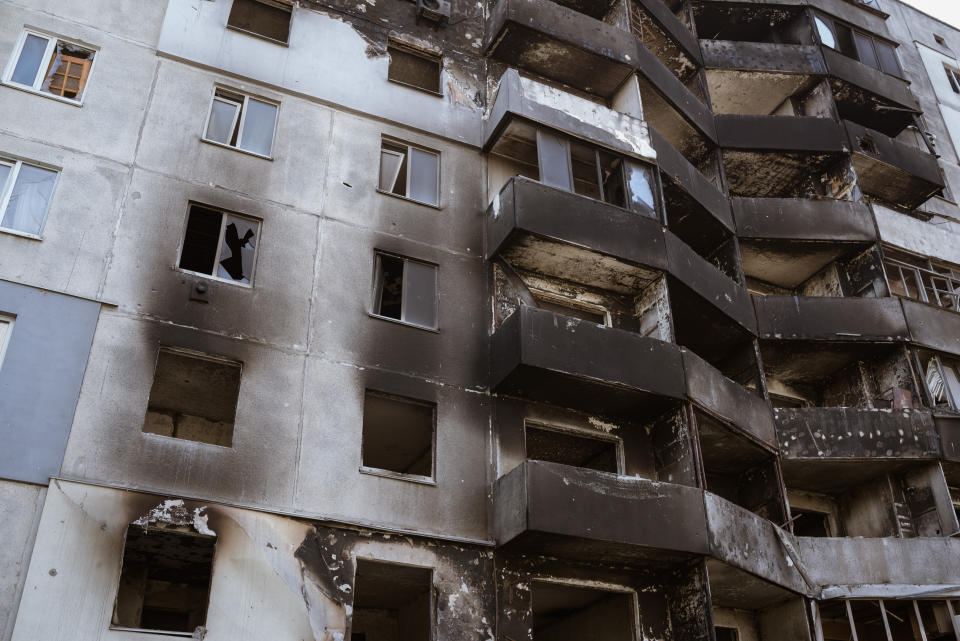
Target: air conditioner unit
{"x": 434, "y": 10}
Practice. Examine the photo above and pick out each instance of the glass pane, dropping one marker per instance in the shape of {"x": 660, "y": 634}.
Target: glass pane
{"x": 865, "y": 50}
{"x": 257, "y": 134}
{"x": 388, "y": 299}
{"x": 200, "y": 240}
{"x": 393, "y": 169}
{"x": 424, "y": 176}
{"x": 826, "y": 34}
{"x": 5, "y": 171}
{"x": 611, "y": 170}
{"x": 420, "y": 294}
{"x": 642, "y": 196}
{"x": 29, "y": 200}
{"x": 554, "y": 157}
{"x": 222, "y": 121}
{"x": 584, "y": 167}
{"x": 28, "y": 64}
{"x": 888, "y": 59}
{"x": 237, "y": 249}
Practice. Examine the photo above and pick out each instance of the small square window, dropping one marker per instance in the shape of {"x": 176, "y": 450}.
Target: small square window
{"x": 240, "y": 121}
{"x": 391, "y": 601}
{"x": 405, "y": 290}
{"x": 410, "y": 172}
{"x": 25, "y": 194}
{"x": 193, "y": 397}
{"x": 220, "y": 244}
{"x": 47, "y": 64}
{"x": 6, "y": 329}
{"x": 268, "y": 19}
{"x": 165, "y": 579}
{"x": 398, "y": 435}
{"x": 414, "y": 68}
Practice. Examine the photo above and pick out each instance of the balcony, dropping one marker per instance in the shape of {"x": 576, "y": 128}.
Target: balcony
{"x": 891, "y": 171}
{"x": 785, "y": 241}
{"x": 664, "y": 35}
{"x": 841, "y": 320}
{"x": 862, "y": 94}
{"x": 542, "y": 356}
{"x": 932, "y": 326}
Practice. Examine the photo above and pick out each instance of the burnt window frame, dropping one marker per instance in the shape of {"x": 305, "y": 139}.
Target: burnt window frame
{"x": 579, "y": 433}
{"x": 46, "y": 60}
{"x": 376, "y": 295}
{"x": 393, "y": 474}
{"x": 278, "y": 4}
{"x": 224, "y": 213}
{"x": 407, "y": 49}
{"x": 397, "y": 142}
{"x": 239, "y": 119}
{"x": 834, "y": 25}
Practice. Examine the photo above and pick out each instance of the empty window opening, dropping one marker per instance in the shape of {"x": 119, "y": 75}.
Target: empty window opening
{"x": 194, "y": 397}
{"x": 220, "y": 244}
{"x": 240, "y": 121}
{"x": 564, "y": 612}
{"x": 414, "y": 68}
{"x": 410, "y": 172}
{"x": 398, "y": 434}
{"x": 576, "y": 309}
{"x": 6, "y": 330}
{"x": 391, "y": 602}
{"x": 268, "y": 19}
{"x": 571, "y": 448}
{"x": 953, "y": 76}
{"x": 51, "y": 65}
{"x": 810, "y": 523}
{"x": 25, "y": 194}
{"x": 835, "y": 621}
{"x": 405, "y": 290}
{"x": 726, "y": 634}
{"x": 165, "y": 580}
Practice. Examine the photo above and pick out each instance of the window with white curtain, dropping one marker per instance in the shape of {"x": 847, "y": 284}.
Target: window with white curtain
{"x": 25, "y": 194}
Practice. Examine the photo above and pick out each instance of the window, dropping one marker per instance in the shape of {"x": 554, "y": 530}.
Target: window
{"x": 50, "y": 65}
{"x": 410, "y": 172}
{"x": 564, "y": 611}
{"x": 826, "y": 33}
{"x": 726, "y": 634}
{"x": 6, "y": 329}
{"x": 413, "y": 67}
{"x": 810, "y": 522}
{"x": 220, "y": 244}
{"x": 165, "y": 579}
{"x": 268, "y": 19}
{"x": 25, "y": 194}
{"x": 953, "y": 76}
{"x": 239, "y": 121}
{"x": 922, "y": 279}
{"x": 405, "y": 290}
{"x": 391, "y": 601}
{"x": 398, "y": 435}
{"x": 571, "y": 448}
{"x": 194, "y": 397}
{"x": 858, "y": 45}
{"x": 576, "y": 309}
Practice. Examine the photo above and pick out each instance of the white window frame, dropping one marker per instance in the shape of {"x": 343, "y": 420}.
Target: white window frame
{"x": 6, "y": 331}
{"x": 953, "y": 77}
{"x": 6, "y": 191}
{"x": 224, "y": 213}
{"x": 375, "y": 303}
{"x": 409, "y": 146}
{"x": 238, "y": 127}
{"x": 52, "y": 40}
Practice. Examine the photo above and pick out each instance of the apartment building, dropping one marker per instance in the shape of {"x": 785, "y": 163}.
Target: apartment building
{"x": 395, "y": 320}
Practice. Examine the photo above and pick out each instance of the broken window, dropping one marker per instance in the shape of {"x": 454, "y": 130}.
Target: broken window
{"x": 25, "y": 194}
{"x": 726, "y": 634}
{"x": 51, "y": 65}
{"x": 953, "y": 76}
{"x": 866, "y": 48}
{"x": 409, "y": 172}
{"x": 810, "y": 522}
{"x": 398, "y": 434}
{"x": 241, "y": 121}
{"x": 6, "y": 329}
{"x": 268, "y": 19}
{"x": 193, "y": 397}
{"x": 220, "y": 244}
{"x": 165, "y": 579}
{"x": 414, "y": 67}
{"x": 391, "y": 602}
{"x": 405, "y": 290}
{"x": 571, "y": 448}
{"x": 567, "y": 611}
{"x": 922, "y": 279}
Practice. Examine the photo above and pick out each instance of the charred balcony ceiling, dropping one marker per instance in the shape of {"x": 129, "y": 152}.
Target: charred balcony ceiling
{"x": 868, "y": 96}
{"x": 731, "y": 587}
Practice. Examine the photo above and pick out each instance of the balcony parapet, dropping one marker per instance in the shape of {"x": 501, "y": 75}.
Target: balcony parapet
{"x": 803, "y": 219}
{"x": 830, "y": 319}
{"x": 932, "y": 326}
{"x": 855, "y": 13}
{"x": 780, "y": 133}
{"x": 763, "y": 57}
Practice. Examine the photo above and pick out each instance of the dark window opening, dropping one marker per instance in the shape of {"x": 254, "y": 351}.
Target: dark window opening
{"x": 405, "y": 290}
{"x": 726, "y": 634}
{"x": 193, "y": 397}
{"x": 567, "y": 448}
{"x": 265, "y": 18}
{"x": 834, "y": 621}
{"x": 563, "y": 612}
{"x": 779, "y": 400}
{"x": 414, "y": 68}
{"x": 391, "y": 602}
{"x": 568, "y": 308}
{"x": 810, "y": 523}
{"x": 219, "y": 244}
{"x": 398, "y": 434}
{"x": 165, "y": 580}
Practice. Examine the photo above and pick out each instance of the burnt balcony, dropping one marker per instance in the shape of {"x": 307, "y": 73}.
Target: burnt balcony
{"x": 785, "y": 241}
{"x": 869, "y": 96}
{"x": 576, "y": 513}
{"x": 769, "y": 156}
{"x": 807, "y": 318}
{"x": 664, "y": 35}
{"x": 891, "y": 171}
{"x": 562, "y": 44}
{"x": 757, "y": 77}
{"x": 933, "y": 327}
{"x": 543, "y": 356}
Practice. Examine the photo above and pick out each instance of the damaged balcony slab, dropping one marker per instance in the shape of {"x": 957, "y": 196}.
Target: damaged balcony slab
{"x": 869, "y": 96}
{"x": 543, "y": 356}
{"x": 757, "y": 77}
{"x": 932, "y": 326}
{"x": 561, "y": 44}
{"x": 785, "y": 241}
{"x": 892, "y": 171}
{"x": 575, "y": 513}
{"x": 552, "y": 231}
{"x": 830, "y": 319}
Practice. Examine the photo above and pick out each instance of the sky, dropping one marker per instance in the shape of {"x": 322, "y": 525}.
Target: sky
{"x": 946, "y": 10}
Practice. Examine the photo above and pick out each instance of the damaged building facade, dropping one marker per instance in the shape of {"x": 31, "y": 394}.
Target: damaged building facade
{"x": 512, "y": 320}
